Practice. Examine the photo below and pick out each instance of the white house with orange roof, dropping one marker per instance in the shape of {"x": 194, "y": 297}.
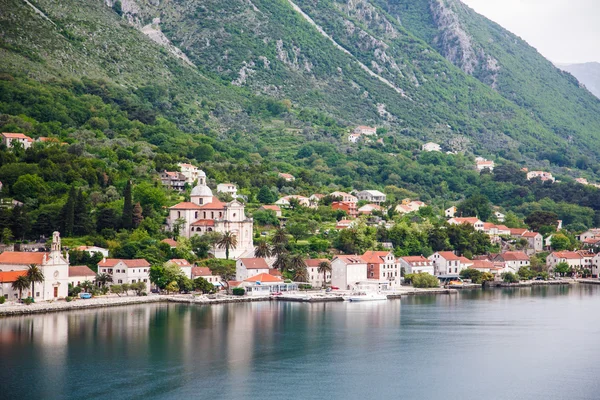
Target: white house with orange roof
{"x": 354, "y": 137}
{"x": 126, "y": 271}
{"x": 286, "y": 177}
{"x": 450, "y": 212}
{"x": 183, "y": 264}
{"x": 206, "y": 273}
{"x": 191, "y": 172}
{"x": 271, "y": 207}
{"x": 9, "y": 140}
{"x": 543, "y": 175}
{"x": 6, "y": 280}
{"x": 348, "y": 271}
{"x": 285, "y": 201}
{"x": 368, "y": 209}
{"x": 408, "y": 206}
{"x": 445, "y": 263}
{"x": 315, "y": 278}
{"x": 365, "y": 130}
{"x": 535, "y": 241}
{"x": 205, "y": 213}
{"x": 345, "y": 224}
{"x": 513, "y": 260}
{"x": 54, "y": 265}
{"x": 247, "y": 267}
{"x": 416, "y": 265}
{"x": 481, "y": 164}
{"x": 382, "y": 266}
{"x": 575, "y": 259}
{"x": 80, "y": 273}
{"x": 473, "y": 221}
{"x": 344, "y": 196}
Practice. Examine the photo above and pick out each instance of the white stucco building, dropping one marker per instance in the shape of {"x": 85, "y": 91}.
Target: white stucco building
{"x": 348, "y": 271}
{"x": 372, "y": 196}
{"x": 183, "y": 265}
{"x": 9, "y": 140}
{"x": 53, "y": 265}
{"x": 445, "y": 263}
{"x": 315, "y": 278}
{"x": 230, "y": 188}
{"x": 205, "y": 213}
{"x": 126, "y": 271}
{"x": 416, "y": 265}
{"x": 191, "y": 172}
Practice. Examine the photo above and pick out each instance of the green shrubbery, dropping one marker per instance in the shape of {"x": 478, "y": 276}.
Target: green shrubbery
{"x": 425, "y": 280}
{"x": 68, "y": 299}
{"x": 238, "y": 291}
{"x": 2, "y": 299}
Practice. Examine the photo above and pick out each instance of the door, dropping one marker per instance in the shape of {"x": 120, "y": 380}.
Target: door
{"x": 56, "y": 291}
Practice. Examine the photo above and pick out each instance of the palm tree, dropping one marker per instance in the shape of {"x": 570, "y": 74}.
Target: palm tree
{"x": 87, "y": 286}
{"x": 263, "y": 250}
{"x": 324, "y": 268}
{"x": 299, "y": 266}
{"x": 301, "y": 275}
{"x": 280, "y": 237}
{"x": 281, "y": 261}
{"x": 20, "y": 284}
{"x": 227, "y": 241}
{"x": 103, "y": 278}
{"x": 34, "y": 274}
{"x": 278, "y": 249}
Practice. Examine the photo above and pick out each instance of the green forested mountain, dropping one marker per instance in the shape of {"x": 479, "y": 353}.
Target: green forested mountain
{"x": 587, "y": 73}
{"x": 246, "y": 88}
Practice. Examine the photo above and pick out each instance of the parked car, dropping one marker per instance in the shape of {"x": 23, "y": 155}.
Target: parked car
{"x": 85, "y": 295}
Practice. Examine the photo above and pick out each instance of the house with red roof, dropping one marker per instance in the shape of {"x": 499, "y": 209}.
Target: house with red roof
{"x": 287, "y": 177}
{"x": 206, "y": 273}
{"x": 513, "y": 260}
{"x": 126, "y": 271}
{"x": 368, "y": 209}
{"x": 173, "y": 180}
{"x": 382, "y": 266}
{"x": 416, "y": 265}
{"x": 80, "y": 273}
{"x": 348, "y": 206}
{"x": 344, "y": 196}
{"x": 575, "y": 259}
{"x": 183, "y": 264}
{"x": 446, "y": 263}
{"x": 9, "y": 139}
{"x": 54, "y": 265}
{"x": 6, "y": 280}
{"x": 347, "y": 271}
{"x": 271, "y": 207}
{"x": 365, "y": 130}
{"x": 474, "y": 221}
{"x": 247, "y": 267}
{"x": 315, "y": 278}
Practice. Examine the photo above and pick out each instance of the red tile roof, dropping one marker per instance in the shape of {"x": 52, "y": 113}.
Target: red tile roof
{"x": 254, "y": 263}
{"x": 467, "y": 220}
{"x": 352, "y": 259}
{"x": 514, "y": 256}
{"x": 201, "y": 271}
{"x": 181, "y": 262}
{"x": 263, "y": 278}
{"x": 16, "y": 136}
{"x": 482, "y": 264}
{"x": 274, "y": 272}
{"x": 214, "y": 205}
{"x": 375, "y": 257}
{"x": 271, "y": 207}
{"x": 111, "y": 262}
{"x": 80, "y": 270}
{"x": 22, "y": 258}
{"x": 314, "y": 262}
{"x": 170, "y": 242}
{"x": 204, "y": 222}
{"x": 186, "y": 205}
{"x": 448, "y": 255}
{"x": 416, "y": 259}
{"x": 11, "y": 276}
{"x": 517, "y": 231}
{"x": 573, "y": 255}
{"x": 530, "y": 234}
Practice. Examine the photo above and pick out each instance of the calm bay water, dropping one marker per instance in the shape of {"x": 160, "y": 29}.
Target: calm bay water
{"x": 529, "y": 343}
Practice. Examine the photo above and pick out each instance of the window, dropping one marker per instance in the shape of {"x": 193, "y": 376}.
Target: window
{"x": 37, "y": 294}
{"x": 145, "y": 280}
{"x": 120, "y": 281}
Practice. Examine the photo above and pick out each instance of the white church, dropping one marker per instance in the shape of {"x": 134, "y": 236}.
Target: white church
{"x": 205, "y": 213}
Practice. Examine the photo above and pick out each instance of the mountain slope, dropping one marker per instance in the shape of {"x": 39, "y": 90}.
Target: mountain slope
{"x": 586, "y": 73}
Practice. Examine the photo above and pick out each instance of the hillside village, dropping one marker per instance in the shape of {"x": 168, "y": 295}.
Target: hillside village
{"x": 214, "y": 241}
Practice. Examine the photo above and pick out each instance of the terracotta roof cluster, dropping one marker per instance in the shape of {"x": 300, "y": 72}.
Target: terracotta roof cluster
{"x": 16, "y": 136}
{"x": 416, "y": 260}
{"x": 201, "y": 271}
{"x": 353, "y": 259}
{"x": 204, "y": 222}
{"x": 514, "y": 256}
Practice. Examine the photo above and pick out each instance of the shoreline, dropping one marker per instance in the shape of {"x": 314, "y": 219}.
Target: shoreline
{"x": 9, "y": 310}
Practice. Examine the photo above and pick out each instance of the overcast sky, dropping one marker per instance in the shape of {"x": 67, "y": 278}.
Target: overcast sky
{"x": 564, "y": 31}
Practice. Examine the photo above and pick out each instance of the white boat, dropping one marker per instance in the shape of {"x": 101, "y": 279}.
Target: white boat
{"x": 366, "y": 296}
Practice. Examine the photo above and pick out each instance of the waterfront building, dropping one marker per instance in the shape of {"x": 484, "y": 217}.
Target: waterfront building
{"x": 247, "y": 267}
{"x": 445, "y": 262}
{"x": 348, "y": 271}
{"x": 91, "y": 250}
{"x": 80, "y": 273}
{"x": 315, "y": 278}
{"x": 382, "y": 266}
{"x": 126, "y": 271}
{"x": 206, "y": 273}
{"x": 53, "y": 265}
{"x": 183, "y": 265}
{"x": 513, "y": 260}
{"x": 416, "y": 265}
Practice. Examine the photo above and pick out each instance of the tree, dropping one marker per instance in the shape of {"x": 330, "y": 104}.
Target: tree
{"x": 509, "y": 277}
{"x": 117, "y": 289}
{"x": 473, "y": 274}
{"x": 297, "y": 262}
{"x": 137, "y": 216}
{"x": 227, "y": 241}
{"x": 82, "y": 221}
{"x": 34, "y": 275}
{"x": 68, "y": 213}
{"x": 203, "y": 285}
{"x": 178, "y": 225}
{"x": 224, "y": 269}
{"x": 262, "y": 250}
{"x": 87, "y": 286}
{"x": 103, "y": 278}
{"x": 279, "y": 237}
{"x": 301, "y": 275}
{"x": 425, "y": 280}
{"x": 204, "y": 152}
{"x": 29, "y": 187}
{"x": 127, "y": 215}
{"x": 281, "y": 261}
{"x": 265, "y": 217}
{"x": 562, "y": 268}
{"x": 477, "y": 205}
{"x": 560, "y": 242}
{"x": 265, "y": 195}
{"x": 538, "y": 219}
{"x": 20, "y": 284}
{"x": 324, "y": 267}
{"x": 172, "y": 287}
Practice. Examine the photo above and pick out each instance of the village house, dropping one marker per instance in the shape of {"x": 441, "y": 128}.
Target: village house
{"x": 9, "y": 140}
{"x": 494, "y": 268}
{"x": 575, "y": 259}
{"x": 53, "y": 265}
{"x": 183, "y": 264}
{"x": 368, "y": 209}
{"x": 343, "y": 196}
{"x": 409, "y": 206}
{"x": 173, "y": 180}
{"x": 513, "y": 260}
{"x": 535, "y": 241}
{"x": 264, "y": 284}
{"x": 544, "y": 176}
{"x": 230, "y": 188}
{"x": 474, "y": 221}
{"x": 481, "y": 164}
{"x": 171, "y": 242}
{"x": 91, "y": 250}
{"x": 383, "y": 267}
{"x": 354, "y": 137}
{"x": 344, "y": 224}
{"x": 247, "y": 267}
{"x": 80, "y": 273}
{"x": 445, "y": 262}
{"x": 347, "y": 206}
{"x": 286, "y": 177}
{"x": 6, "y": 280}
{"x": 315, "y": 199}
{"x": 274, "y": 208}
{"x": 593, "y": 233}
{"x": 347, "y": 271}
{"x": 416, "y": 265}
{"x": 285, "y": 201}
{"x": 205, "y": 273}
{"x": 499, "y": 216}
{"x": 495, "y": 231}
{"x": 126, "y": 271}
{"x": 205, "y": 213}
{"x": 431, "y": 146}
{"x": 365, "y": 130}
{"x": 190, "y": 172}
{"x": 595, "y": 265}
{"x": 315, "y": 278}
{"x": 372, "y": 196}
{"x": 450, "y": 212}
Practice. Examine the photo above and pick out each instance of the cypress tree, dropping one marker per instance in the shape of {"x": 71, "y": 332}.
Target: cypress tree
{"x": 137, "y": 215}
{"x": 127, "y": 218}
{"x": 68, "y": 213}
{"x": 82, "y": 222}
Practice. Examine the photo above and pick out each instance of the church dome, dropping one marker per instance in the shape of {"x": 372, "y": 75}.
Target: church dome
{"x": 201, "y": 190}
{"x": 201, "y": 173}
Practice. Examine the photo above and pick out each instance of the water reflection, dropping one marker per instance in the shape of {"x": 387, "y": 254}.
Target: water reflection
{"x": 256, "y": 349}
